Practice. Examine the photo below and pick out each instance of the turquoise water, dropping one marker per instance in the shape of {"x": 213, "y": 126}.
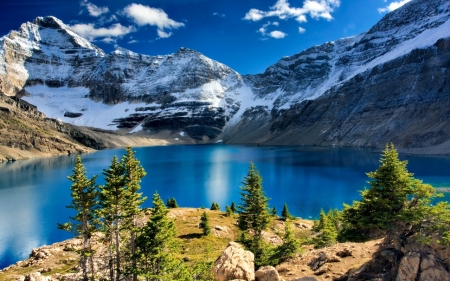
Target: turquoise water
{"x": 34, "y": 193}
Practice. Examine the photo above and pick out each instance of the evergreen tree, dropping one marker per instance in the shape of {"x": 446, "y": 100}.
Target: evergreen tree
{"x": 204, "y": 224}
{"x": 85, "y": 202}
{"x": 215, "y": 207}
{"x": 254, "y": 216}
{"x": 133, "y": 173}
{"x": 327, "y": 231}
{"x": 113, "y": 197}
{"x": 233, "y": 207}
{"x": 228, "y": 211}
{"x": 273, "y": 212}
{"x": 253, "y": 209}
{"x": 156, "y": 246}
{"x": 394, "y": 200}
{"x": 171, "y": 203}
{"x": 285, "y": 213}
{"x": 290, "y": 245}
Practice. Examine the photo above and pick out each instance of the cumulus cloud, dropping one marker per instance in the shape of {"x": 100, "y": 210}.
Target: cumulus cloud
{"x": 93, "y": 9}
{"x": 301, "y": 30}
{"x": 219, "y": 15}
{"x": 274, "y": 34}
{"x": 108, "y": 40}
{"x": 277, "y": 34}
{"x": 132, "y": 41}
{"x": 392, "y": 6}
{"x": 314, "y": 8}
{"x": 163, "y": 34}
{"x": 90, "y": 32}
{"x": 263, "y": 29}
{"x": 145, "y": 15}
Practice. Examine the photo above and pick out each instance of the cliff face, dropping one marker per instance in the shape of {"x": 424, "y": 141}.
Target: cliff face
{"x": 389, "y": 84}
{"x": 26, "y": 132}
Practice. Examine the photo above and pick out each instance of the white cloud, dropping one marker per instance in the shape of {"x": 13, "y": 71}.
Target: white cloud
{"x": 277, "y": 34}
{"x": 392, "y": 6}
{"x": 301, "y": 30}
{"x": 315, "y": 8}
{"x": 90, "y": 32}
{"x": 108, "y": 40}
{"x": 132, "y": 41}
{"x": 219, "y": 15}
{"x": 145, "y": 15}
{"x": 163, "y": 34}
{"x": 93, "y": 9}
{"x": 274, "y": 34}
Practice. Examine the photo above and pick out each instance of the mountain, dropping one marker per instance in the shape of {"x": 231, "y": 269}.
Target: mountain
{"x": 389, "y": 84}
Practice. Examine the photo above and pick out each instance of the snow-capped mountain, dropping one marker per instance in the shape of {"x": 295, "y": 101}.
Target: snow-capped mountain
{"x": 388, "y": 84}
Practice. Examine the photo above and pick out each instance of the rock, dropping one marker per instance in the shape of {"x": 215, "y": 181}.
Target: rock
{"x": 40, "y": 253}
{"x": 36, "y": 276}
{"x": 318, "y": 261}
{"x": 307, "y": 278}
{"x": 431, "y": 270}
{"x": 409, "y": 267}
{"x": 344, "y": 253}
{"x": 267, "y": 273}
{"x": 234, "y": 263}
{"x": 322, "y": 270}
{"x": 220, "y": 231}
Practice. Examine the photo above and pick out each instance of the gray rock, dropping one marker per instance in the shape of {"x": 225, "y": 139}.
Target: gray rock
{"x": 431, "y": 270}
{"x": 409, "y": 267}
{"x": 234, "y": 263}
{"x": 267, "y": 273}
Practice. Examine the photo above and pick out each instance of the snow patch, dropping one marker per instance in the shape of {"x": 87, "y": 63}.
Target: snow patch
{"x": 54, "y": 102}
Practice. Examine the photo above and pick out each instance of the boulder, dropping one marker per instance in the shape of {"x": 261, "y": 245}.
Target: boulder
{"x": 431, "y": 270}
{"x": 36, "y": 276}
{"x": 344, "y": 253}
{"x": 409, "y": 267}
{"x": 267, "y": 273}
{"x": 234, "y": 263}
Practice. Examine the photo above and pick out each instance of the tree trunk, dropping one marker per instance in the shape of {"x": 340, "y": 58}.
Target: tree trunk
{"x": 117, "y": 251}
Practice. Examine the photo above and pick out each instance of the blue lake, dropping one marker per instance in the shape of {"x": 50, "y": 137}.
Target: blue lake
{"x": 34, "y": 193}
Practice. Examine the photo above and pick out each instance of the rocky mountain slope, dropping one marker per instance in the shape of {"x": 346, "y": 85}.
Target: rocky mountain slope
{"x": 389, "y": 84}
{"x": 25, "y": 133}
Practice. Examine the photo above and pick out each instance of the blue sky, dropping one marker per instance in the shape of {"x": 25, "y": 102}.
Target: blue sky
{"x": 247, "y": 35}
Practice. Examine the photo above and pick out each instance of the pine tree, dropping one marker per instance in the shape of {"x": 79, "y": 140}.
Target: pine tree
{"x": 233, "y": 207}
{"x": 253, "y": 214}
{"x": 285, "y": 213}
{"x": 290, "y": 245}
{"x": 113, "y": 197}
{"x": 85, "y": 202}
{"x": 171, "y": 203}
{"x": 394, "y": 200}
{"x": 214, "y": 207}
{"x": 327, "y": 231}
{"x": 228, "y": 211}
{"x": 204, "y": 224}
{"x": 134, "y": 173}
{"x": 156, "y": 246}
{"x": 273, "y": 212}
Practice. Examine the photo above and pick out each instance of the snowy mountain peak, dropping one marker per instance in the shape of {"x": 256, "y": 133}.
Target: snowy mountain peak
{"x": 314, "y": 91}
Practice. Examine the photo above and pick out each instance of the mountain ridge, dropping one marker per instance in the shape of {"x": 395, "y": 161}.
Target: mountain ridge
{"x": 292, "y": 102}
